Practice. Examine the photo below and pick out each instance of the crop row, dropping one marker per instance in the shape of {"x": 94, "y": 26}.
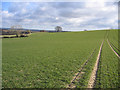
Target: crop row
{"x": 48, "y": 60}
{"x": 107, "y": 74}
{"x": 83, "y": 76}
{"x": 113, "y": 38}
{"x": 114, "y": 49}
{"x": 114, "y": 41}
{"x": 79, "y": 75}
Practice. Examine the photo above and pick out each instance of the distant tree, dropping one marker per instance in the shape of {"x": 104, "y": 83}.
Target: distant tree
{"x": 58, "y": 28}
{"x": 85, "y": 30}
{"x": 17, "y": 32}
{"x": 15, "y": 29}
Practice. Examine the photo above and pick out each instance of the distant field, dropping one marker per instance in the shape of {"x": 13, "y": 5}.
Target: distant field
{"x": 51, "y": 60}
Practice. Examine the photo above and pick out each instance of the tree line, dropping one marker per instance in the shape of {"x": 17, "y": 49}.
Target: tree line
{"x": 16, "y": 30}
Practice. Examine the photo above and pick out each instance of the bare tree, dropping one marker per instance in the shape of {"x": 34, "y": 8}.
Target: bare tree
{"x": 58, "y": 28}
{"x": 28, "y": 31}
{"x": 15, "y": 29}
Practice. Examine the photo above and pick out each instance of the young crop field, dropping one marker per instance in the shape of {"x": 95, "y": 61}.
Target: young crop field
{"x": 114, "y": 41}
{"x": 108, "y": 75}
{"x": 59, "y": 60}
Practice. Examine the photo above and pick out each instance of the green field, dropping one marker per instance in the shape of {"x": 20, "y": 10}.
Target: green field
{"x": 50, "y": 60}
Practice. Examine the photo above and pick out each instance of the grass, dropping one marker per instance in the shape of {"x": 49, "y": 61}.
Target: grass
{"x": 107, "y": 75}
{"x": 84, "y": 78}
{"x": 114, "y": 41}
{"x": 46, "y": 60}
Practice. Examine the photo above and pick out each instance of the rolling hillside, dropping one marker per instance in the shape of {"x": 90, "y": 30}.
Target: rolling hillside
{"x": 60, "y": 60}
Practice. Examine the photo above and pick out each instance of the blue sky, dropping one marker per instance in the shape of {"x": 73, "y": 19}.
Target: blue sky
{"x": 72, "y": 16}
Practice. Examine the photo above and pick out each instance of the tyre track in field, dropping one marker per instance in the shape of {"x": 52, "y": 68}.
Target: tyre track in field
{"x": 113, "y": 49}
{"x": 94, "y": 72}
{"x": 72, "y": 85}
{"x": 93, "y": 76}
{"x": 92, "y": 79}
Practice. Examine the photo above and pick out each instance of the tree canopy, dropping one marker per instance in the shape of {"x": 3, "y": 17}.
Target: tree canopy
{"x": 58, "y": 28}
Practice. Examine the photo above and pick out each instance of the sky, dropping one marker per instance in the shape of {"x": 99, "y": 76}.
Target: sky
{"x": 71, "y": 16}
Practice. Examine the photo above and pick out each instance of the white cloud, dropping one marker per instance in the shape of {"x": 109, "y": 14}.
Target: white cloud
{"x": 7, "y": 14}
{"x": 71, "y": 16}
